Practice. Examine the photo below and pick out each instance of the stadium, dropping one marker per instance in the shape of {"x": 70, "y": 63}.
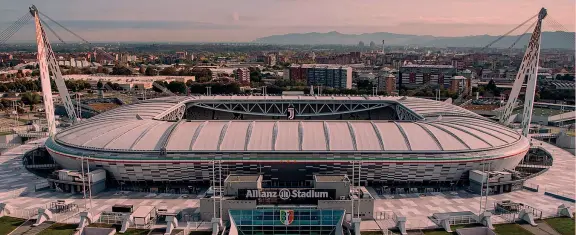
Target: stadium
{"x": 289, "y": 139}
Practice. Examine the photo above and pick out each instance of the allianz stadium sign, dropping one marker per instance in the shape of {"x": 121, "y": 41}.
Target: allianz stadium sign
{"x": 286, "y": 194}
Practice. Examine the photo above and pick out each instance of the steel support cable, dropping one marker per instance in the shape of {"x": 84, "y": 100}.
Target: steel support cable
{"x": 110, "y": 57}
{"x": 558, "y": 27}
{"x": 70, "y": 31}
{"x": 10, "y": 31}
{"x": 13, "y": 26}
{"x": 51, "y": 30}
{"x": 522, "y": 35}
{"x": 506, "y": 34}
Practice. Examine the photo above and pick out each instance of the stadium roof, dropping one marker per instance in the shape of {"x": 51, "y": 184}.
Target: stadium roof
{"x": 151, "y": 108}
{"x": 457, "y": 134}
{"x": 134, "y": 128}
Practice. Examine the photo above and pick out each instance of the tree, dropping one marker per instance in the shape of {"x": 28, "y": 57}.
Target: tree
{"x": 121, "y": 70}
{"x": 255, "y": 74}
{"x": 364, "y": 85}
{"x": 170, "y": 71}
{"x": 177, "y": 87}
{"x": 31, "y": 99}
{"x": 150, "y": 71}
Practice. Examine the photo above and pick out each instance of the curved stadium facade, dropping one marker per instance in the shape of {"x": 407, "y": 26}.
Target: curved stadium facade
{"x": 396, "y": 139}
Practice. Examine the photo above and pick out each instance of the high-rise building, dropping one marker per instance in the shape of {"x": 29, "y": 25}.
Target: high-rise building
{"x": 242, "y": 74}
{"x": 386, "y": 83}
{"x": 181, "y": 54}
{"x": 326, "y": 75}
{"x": 270, "y": 60}
{"x": 414, "y": 75}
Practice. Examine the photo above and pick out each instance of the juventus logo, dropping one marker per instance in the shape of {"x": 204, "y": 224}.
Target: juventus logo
{"x": 291, "y": 113}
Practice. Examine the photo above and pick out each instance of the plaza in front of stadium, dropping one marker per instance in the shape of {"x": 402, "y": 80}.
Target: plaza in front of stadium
{"x": 287, "y": 165}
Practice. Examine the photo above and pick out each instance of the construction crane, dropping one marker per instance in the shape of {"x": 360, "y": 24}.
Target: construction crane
{"x": 528, "y": 71}
{"x": 48, "y": 65}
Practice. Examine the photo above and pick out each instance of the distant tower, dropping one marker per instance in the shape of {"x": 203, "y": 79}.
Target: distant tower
{"x": 383, "y": 45}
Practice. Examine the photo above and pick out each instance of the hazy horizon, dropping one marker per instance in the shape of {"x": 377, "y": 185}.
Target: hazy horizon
{"x": 246, "y": 20}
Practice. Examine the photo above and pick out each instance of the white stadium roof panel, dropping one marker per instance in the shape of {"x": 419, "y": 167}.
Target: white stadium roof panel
{"x": 102, "y": 140}
{"x": 209, "y": 136}
{"x": 470, "y": 140}
{"x": 235, "y": 136}
{"x": 154, "y": 137}
{"x": 126, "y": 140}
{"x": 181, "y": 137}
{"x": 313, "y": 136}
{"x": 447, "y": 141}
{"x": 366, "y": 138}
{"x": 339, "y": 136}
{"x": 419, "y": 138}
{"x": 392, "y": 138}
{"x": 261, "y": 136}
{"x": 287, "y": 138}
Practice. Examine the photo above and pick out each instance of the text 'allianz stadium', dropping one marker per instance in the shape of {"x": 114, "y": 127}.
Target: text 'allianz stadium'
{"x": 397, "y": 139}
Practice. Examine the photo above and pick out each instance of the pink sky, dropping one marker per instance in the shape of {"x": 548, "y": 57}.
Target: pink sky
{"x": 245, "y": 20}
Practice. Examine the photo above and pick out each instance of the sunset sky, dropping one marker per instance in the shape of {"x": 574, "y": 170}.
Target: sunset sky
{"x": 246, "y": 20}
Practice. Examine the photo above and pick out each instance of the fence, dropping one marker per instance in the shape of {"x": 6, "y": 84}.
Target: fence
{"x": 386, "y": 215}
{"x": 24, "y": 213}
{"x": 464, "y": 219}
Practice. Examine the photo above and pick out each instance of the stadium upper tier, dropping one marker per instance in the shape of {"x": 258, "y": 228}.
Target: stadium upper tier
{"x": 160, "y": 125}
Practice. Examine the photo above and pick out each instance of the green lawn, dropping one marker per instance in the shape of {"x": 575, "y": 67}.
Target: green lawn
{"x": 130, "y": 231}
{"x": 97, "y": 225}
{"x": 510, "y": 229}
{"x": 563, "y": 225}
{"x": 453, "y": 227}
{"x": 59, "y": 229}
{"x": 133, "y": 231}
{"x": 370, "y": 233}
{"x": 200, "y": 233}
{"x": 7, "y": 224}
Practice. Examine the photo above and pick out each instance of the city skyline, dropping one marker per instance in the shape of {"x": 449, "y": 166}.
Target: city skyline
{"x": 244, "y": 21}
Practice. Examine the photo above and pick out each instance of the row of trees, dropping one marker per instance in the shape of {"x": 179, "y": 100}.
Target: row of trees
{"x": 24, "y": 85}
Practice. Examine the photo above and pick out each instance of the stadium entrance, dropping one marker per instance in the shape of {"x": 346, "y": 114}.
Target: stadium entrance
{"x": 248, "y": 208}
{"x": 287, "y": 221}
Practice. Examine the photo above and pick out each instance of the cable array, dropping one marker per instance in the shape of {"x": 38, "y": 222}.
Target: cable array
{"x": 13, "y": 28}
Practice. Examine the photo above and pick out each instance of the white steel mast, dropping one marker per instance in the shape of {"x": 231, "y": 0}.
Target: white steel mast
{"x": 47, "y": 63}
{"x": 44, "y": 74}
{"x": 528, "y": 71}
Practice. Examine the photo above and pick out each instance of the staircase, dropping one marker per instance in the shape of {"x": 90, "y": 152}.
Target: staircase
{"x": 27, "y": 229}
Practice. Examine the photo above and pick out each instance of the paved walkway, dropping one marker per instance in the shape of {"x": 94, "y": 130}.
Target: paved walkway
{"x": 560, "y": 177}
{"x": 14, "y": 179}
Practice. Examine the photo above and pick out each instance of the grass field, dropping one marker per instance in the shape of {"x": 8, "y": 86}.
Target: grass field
{"x": 7, "y": 224}
{"x": 453, "y": 227}
{"x": 370, "y": 233}
{"x": 563, "y": 225}
{"x": 510, "y": 229}
{"x": 59, "y": 229}
{"x": 130, "y": 231}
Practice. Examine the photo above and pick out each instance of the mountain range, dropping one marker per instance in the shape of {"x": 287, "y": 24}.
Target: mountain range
{"x": 558, "y": 39}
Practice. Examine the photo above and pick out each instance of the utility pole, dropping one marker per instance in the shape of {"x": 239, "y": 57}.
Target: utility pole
{"x": 89, "y": 182}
